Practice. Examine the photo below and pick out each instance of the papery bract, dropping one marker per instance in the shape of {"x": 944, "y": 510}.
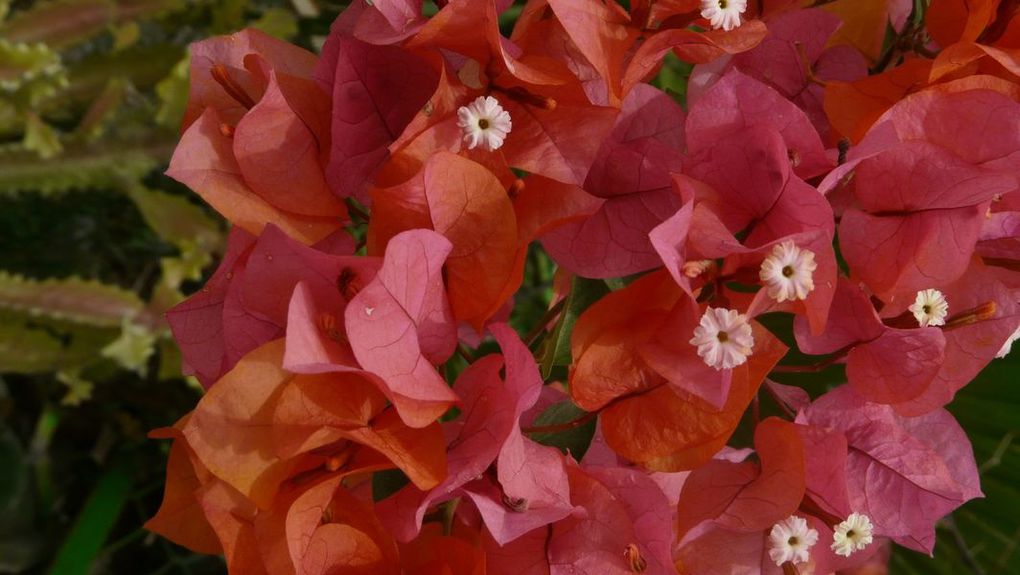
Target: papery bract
{"x": 487, "y": 432}
{"x": 202, "y": 324}
{"x": 180, "y": 517}
{"x": 464, "y": 202}
{"x": 748, "y": 496}
{"x": 252, "y": 94}
{"x": 643, "y": 419}
{"x": 921, "y": 210}
{"x": 794, "y": 48}
{"x": 376, "y": 91}
{"x": 904, "y": 473}
{"x": 237, "y": 429}
{"x": 244, "y": 304}
{"x": 736, "y": 103}
{"x": 631, "y": 174}
{"x": 207, "y": 90}
{"x": 401, "y": 322}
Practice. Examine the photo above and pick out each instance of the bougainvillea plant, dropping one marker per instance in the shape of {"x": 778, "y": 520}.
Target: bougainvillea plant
{"x": 820, "y": 198}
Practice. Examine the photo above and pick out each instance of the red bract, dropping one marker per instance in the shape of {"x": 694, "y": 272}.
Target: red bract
{"x": 905, "y": 473}
{"x": 244, "y": 304}
{"x": 377, "y": 91}
{"x": 737, "y": 102}
{"x": 464, "y": 202}
{"x": 267, "y": 414}
{"x": 199, "y": 324}
{"x": 920, "y": 213}
{"x": 400, "y": 324}
{"x": 885, "y": 365}
{"x": 457, "y": 148}
{"x": 631, "y": 176}
{"x": 251, "y": 96}
{"x": 744, "y": 185}
{"x": 526, "y": 487}
{"x": 794, "y": 60}
{"x": 621, "y": 525}
{"x": 294, "y": 530}
{"x": 748, "y": 496}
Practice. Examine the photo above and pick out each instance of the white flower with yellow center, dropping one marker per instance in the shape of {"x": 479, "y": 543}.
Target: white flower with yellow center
{"x": 790, "y": 540}
{"x": 723, "y": 338}
{"x": 852, "y": 535}
{"x": 485, "y": 123}
{"x": 723, "y": 14}
{"x": 930, "y": 308}
{"x": 788, "y": 272}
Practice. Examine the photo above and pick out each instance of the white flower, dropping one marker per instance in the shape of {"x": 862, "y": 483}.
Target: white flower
{"x": 790, "y": 540}
{"x": 930, "y": 308}
{"x": 723, "y": 338}
{"x": 1008, "y": 346}
{"x": 485, "y": 123}
{"x": 787, "y": 272}
{"x": 723, "y": 14}
{"x": 852, "y": 535}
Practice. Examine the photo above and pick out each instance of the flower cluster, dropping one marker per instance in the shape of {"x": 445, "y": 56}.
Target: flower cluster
{"x": 368, "y": 407}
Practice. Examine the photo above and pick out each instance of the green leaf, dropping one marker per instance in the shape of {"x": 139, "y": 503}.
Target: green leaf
{"x": 29, "y": 73}
{"x": 75, "y": 300}
{"x": 45, "y": 345}
{"x": 82, "y": 166}
{"x": 673, "y": 78}
{"x": 173, "y": 95}
{"x": 175, "y": 219}
{"x": 63, "y": 23}
{"x": 277, "y": 22}
{"x": 41, "y": 138}
{"x": 575, "y": 440}
{"x": 24, "y": 350}
{"x": 133, "y": 348}
{"x": 94, "y": 523}
{"x": 583, "y": 293}
{"x": 104, "y": 109}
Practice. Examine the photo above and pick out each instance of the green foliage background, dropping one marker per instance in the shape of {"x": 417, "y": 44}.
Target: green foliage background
{"x": 95, "y": 244}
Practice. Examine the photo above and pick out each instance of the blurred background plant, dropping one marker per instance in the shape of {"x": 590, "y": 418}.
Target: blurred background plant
{"x": 95, "y": 244}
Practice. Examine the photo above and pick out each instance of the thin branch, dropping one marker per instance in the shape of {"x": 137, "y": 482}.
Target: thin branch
{"x": 779, "y": 401}
{"x": 550, "y": 315}
{"x": 961, "y": 546}
{"x": 465, "y": 354}
{"x": 353, "y": 208}
{"x": 996, "y": 457}
{"x": 563, "y": 426}
{"x": 813, "y": 368}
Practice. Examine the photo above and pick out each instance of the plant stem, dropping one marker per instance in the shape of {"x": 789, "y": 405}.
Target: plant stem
{"x": 539, "y": 328}
{"x": 563, "y": 426}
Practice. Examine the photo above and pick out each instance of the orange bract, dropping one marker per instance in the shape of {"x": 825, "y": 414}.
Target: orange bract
{"x": 645, "y": 420}
{"x": 259, "y": 425}
{"x": 463, "y": 201}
